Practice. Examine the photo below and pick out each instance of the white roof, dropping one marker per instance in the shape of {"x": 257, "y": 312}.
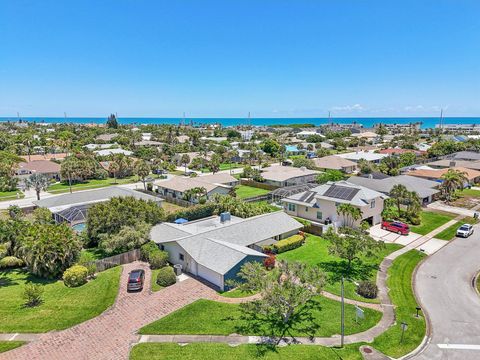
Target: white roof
{"x": 367, "y": 155}
{"x": 107, "y": 152}
{"x": 283, "y": 173}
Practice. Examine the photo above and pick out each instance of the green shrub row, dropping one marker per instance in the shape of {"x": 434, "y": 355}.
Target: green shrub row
{"x": 194, "y": 212}
{"x": 290, "y": 243}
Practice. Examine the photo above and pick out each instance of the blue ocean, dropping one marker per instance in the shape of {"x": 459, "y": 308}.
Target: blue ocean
{"x": 427, "y": 122}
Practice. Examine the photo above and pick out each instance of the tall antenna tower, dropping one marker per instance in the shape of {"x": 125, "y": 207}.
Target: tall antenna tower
{"x": 441, "y": 119}
{"x": 248, "y": 120}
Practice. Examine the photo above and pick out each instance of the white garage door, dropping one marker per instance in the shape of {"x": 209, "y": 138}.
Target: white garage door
{"x": 210, "y": 276}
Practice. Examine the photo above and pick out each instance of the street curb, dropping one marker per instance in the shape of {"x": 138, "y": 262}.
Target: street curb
{"x": 474, "y": 282}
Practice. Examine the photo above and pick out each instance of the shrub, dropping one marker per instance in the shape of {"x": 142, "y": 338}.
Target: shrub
{"x": 147, "y": 249}
{"x": 33, "y": 294}
{"x": 367, "y": 289}
{"x": 75, "y": 276}
{"x": 290, "y": 243}
{"x": 166, "y": 276}
{"x": 269, "y": 262}
{"x": 304, "y": 222}
{"x": 10, "y": 262}
{"x": 158, "y": 259}
{"x": 3, "y": 251}
{"x": 268, "y": 249}
{"x": 150, "y": 187}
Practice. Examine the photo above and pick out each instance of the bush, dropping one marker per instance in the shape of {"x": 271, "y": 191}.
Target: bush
{"x": 150, "y": 187}
{"x": 304, "y": 222}
{"x": 3, "y": 251}
{"x": 10, "y": 262}
{"x": 147, "y": 249}
{"x": 33, "y": 294}
{"x": 290, "y": 243}
{"x": 193, "y": 213}
{"x": 269, "y": 262}
{"x": 75, "y": 276}
{"x": 166, "y": 276}
{"x": 158, "y": 259}
{"x": 367, "y": 289}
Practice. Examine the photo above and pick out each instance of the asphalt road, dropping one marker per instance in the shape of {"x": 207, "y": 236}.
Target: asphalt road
{"x": 444, "y": 287}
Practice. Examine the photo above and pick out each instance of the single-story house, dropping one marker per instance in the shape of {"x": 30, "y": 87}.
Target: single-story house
{"x": 99, "y": 146}
{"x": 465, "y": 155}
{"x": 46, "y": 167}
{"x": 473, "y": 176}
{"x": 370, "y": 155}
{"x": 215, "y": 248}
{"x": 334, "y": 162}
{"x": 107, "y": 152}
{"x": 192, "y": 155}
{"x": 148, "y": 143}
{"x": 176, "y": 187}
{"x": 446, "y": 163}
{"x": 56, "y": 157}
{"x": 106, "y": 137}
{"x": 425, "y": 189}
{"x": 72, "y": 207}
{"x": 319, "y": 205}
{"x": 280, "y": 176}
{"x": 398, "y": 151}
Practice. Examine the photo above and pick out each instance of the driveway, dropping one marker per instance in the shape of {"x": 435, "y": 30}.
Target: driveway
{"x": 443, "y": 284}
{"x": 111, "y": 335}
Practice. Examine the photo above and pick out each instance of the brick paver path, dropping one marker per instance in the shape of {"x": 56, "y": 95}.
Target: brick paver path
{"x": 110, "y": 335}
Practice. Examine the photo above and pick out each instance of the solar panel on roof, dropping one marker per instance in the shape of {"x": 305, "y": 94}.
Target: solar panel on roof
{"x": 341, "y": 192}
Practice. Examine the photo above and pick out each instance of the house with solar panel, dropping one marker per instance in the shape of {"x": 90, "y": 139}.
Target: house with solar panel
{"x": 319, "y": 204}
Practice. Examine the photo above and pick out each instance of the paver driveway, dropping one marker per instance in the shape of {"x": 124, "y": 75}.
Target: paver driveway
{"x": 110, "y": 335}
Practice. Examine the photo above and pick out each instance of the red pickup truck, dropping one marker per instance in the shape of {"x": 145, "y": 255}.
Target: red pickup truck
{"x": 396, "y": 227}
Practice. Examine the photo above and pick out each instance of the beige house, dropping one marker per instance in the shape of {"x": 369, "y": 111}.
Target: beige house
{"x": 213, "y": 184}
{"x": 333, "y": 162}
{"x": 319, "y": 204}
{"x": 281, "y": 176}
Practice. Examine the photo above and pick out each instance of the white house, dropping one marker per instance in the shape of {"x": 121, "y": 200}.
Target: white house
{"x": 370, "y": 155}
{"x": 319, "y": 204}
{"x": 280, "y": 176}
{"x": 215, "y": 248}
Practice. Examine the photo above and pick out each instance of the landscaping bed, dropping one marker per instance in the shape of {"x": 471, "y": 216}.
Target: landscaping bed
{"x": 401, "y": 293}
{"x": 430, "y": 221}
{"x": 206, "y": 317}
{"x": 315, "y": 252}
{"x": 207, "y": 351}
{"x": 62, "y": 307}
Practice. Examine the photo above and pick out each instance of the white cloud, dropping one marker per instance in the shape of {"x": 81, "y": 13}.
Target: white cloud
{"x": 355, "y": 107}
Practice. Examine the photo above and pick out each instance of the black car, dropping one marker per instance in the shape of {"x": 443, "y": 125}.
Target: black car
{"x": 136, "y": 278}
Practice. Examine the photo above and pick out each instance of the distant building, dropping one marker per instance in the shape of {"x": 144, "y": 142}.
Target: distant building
{"x": 370, "y": 155}
{"x": 107, "y": 152}
{"x": 280, "y": 176}
{"x": 45, "y": 167}
{"x": 459, "y": 128}
{"x": 401, "y": 128}
{"x": 334, "y": 162}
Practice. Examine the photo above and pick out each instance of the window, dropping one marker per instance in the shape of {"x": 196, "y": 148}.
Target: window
{"x": 306, "y": 208}
{"x": 291, "y": 207}
{"x": 372, "y": 204}
{"x": 319, "y": 215}
{"x": 162, "y": 247}
{"x": 181, "y": 257}
{"x": 337, "y": 204}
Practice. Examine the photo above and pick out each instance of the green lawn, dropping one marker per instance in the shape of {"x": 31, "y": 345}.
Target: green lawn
{"x": 208, "y": 351}
{"x": 92, "y": 254}
{"x": 154, "y": 285}
{"x": 206, "y": 317}
{"x": 62, "y": 308}
{"x": 401, "y": 292}
{"x": 315, "y": 252}
{"x": 11, "y": 195}
{"x": 236, "y": 293}
{"x": 470, "y": 192}
{"x": 9, "y": 345}
{"x": 244, "y": 191}
{"x": 430, "y": 221}
{"x": 450, "y": 232}
{"x": 224, "y": 166}
{"x": 62, "y": 187}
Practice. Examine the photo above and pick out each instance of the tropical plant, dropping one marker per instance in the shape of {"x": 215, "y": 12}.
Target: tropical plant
{"x": 158, "y": 259}
{"x": 194, "y": 194}
{"x": 112, "y": 122}
{"x": 49, "y": 249}
{"x": 38, "y": 182}
{"x": 399, "y": 194}
{"x": 32, "y": 294}
{"x": 10, "y": 262}
{"x": 43, "y": 216}
{"x": 453, "y": 180}
{"x": 330, "y": 175}
{"x": 127, "y": 238}
{"x": 349, "y": 213}
{"x": 185, "y": 160}
{"x": 142, "y": 170}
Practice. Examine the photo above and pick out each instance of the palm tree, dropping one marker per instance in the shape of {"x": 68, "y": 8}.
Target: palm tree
{"x": 39, "y": 182}
{"x": 142, "y": 170}
{"x": 185, "y": 160}
{"x": 399, "y": 193}
{"x": 349, "y": 213}
{"x": 453, "y": 180}
{"x": 113, "y": 167}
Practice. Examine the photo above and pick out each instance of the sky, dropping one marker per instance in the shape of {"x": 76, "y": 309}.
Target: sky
{"x": 273, "y": 58}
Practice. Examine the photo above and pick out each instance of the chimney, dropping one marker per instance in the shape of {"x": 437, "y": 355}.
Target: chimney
{"x": 452, "y": 164}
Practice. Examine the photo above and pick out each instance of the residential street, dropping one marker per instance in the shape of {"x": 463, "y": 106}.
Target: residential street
{"x": 444, "y": 288}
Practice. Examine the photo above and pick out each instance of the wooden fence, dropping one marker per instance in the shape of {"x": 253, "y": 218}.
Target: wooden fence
{"x": 257, "y": 184}
{"x": 259, "y": 198}
{"x": 177, "y": 201}
{"x": 120, "y": 259}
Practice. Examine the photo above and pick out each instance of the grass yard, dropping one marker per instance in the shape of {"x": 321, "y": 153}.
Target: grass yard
{"x": 206, "y": 317}
{"x": 92, "y": 254}
{"x": 467, "y": 198}
{"x": 244, "y": 191}
{"x": 236, "y": 293}
{"x": 62, "y": 308}
{"x": 171, "y": 208}
{"x": 315, "y": 252}
{"x": 224, "y": 166}
{"x": 450, "y": 232}
{"x": 401, "y": 292}
{"x": 11, "y": 195}
{"x": 89, "y": 184}
{"x": 430, "y": 221}
{"x": 9, "y": 345}
{"x": 153, "y": 284}
{"x": 205, "y": 351}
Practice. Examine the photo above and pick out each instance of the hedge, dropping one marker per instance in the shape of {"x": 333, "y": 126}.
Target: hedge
{"x": 290, "y": 243}
{"x": 193, "y": 213}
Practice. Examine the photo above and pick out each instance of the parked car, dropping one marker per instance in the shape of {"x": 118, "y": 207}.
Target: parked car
{"x": 136, "y": 278}
{"x": 396, "y": 227}
{"x": 160, "y": 172}
{"x": 465, "y": 230}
